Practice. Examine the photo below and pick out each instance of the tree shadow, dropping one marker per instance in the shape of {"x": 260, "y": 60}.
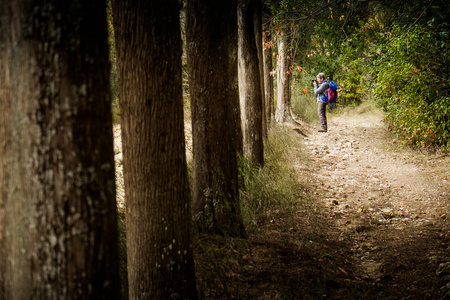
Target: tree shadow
{"x": 297, "y": 130}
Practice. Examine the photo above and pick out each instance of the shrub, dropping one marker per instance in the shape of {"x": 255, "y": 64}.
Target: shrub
{"x": 412, "y": 86}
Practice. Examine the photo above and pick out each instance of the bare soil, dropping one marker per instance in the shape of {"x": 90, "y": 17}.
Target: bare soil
{"x": 389, "y": 203}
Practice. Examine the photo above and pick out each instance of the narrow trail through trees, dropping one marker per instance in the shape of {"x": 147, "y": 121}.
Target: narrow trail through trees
{"x": 390, "y": 203}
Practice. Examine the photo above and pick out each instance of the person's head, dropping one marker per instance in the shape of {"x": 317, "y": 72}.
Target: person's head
{"x": 320, "y": 77}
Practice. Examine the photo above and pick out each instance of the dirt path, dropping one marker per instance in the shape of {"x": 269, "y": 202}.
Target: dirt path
{"x": 390, "y": 203}
{"x": 377, "y": 225}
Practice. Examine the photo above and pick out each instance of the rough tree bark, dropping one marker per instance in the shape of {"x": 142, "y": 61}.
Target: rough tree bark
{"x": 284, "y": 77}
{"x": 257, "y": 20}
{"x": 211, "y": 36}
{"x": 58, "y": 221}
{"x": 268, "y": 80}
{"x": 158, "y": 213}
{"x": 250, "y": 84}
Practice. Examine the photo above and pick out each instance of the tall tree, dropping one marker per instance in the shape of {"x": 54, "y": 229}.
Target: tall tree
{"x": 211, "y": 36}
{"x": 284, "y": 78}
{"x": 268, "y": 79}
{"x": 58, "y": 222}
{"x": 158, "y": 213}
{"x": 257, "y": 21}
{"x": 250, "y": 83}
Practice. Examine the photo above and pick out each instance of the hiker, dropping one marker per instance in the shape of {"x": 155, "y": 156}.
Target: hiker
{"x": 320, "y": 89}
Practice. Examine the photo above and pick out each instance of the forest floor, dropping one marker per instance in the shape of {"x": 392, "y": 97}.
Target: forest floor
{"x": 387, "y": 204}
{"x": 376, "y": 225}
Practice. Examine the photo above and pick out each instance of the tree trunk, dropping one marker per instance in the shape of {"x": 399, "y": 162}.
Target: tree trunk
{"x": 268, "y": 81}
{"x": 58, "y": 221}
{"x": 158, "y": 214}
{"x": 211, "y": 34}
{"x": 283, "y": 112}
{"x": 257, "y": 20}
{"x": 250, "y": 84}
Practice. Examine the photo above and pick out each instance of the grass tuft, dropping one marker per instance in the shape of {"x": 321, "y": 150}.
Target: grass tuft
{"x": 274, "y": 190}
{"x": 303, "y": 102}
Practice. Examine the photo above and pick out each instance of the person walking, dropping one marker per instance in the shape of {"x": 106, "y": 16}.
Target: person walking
{"x": 321, "y": 91}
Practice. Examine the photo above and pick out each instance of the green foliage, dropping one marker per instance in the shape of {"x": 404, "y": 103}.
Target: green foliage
{"x": 323, "y": 56}
{"x": 336, "y": 52}
{"x": 395, "y": 50}
{"x": 412, "y": 85}
{"x": 351, "y": 83}
{"x": 357, "y": 55}
{"x": 273, "y": 190}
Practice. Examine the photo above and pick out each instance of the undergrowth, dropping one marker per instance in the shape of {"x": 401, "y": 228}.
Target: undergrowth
{"x": 274, "y": 190}
{"x": 287, "y": 252}
{"x": 412, "y": 88}
{"x": 304, "y": 103}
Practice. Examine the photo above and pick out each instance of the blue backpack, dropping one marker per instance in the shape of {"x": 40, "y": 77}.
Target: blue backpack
{"x": 332, "y": 94}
